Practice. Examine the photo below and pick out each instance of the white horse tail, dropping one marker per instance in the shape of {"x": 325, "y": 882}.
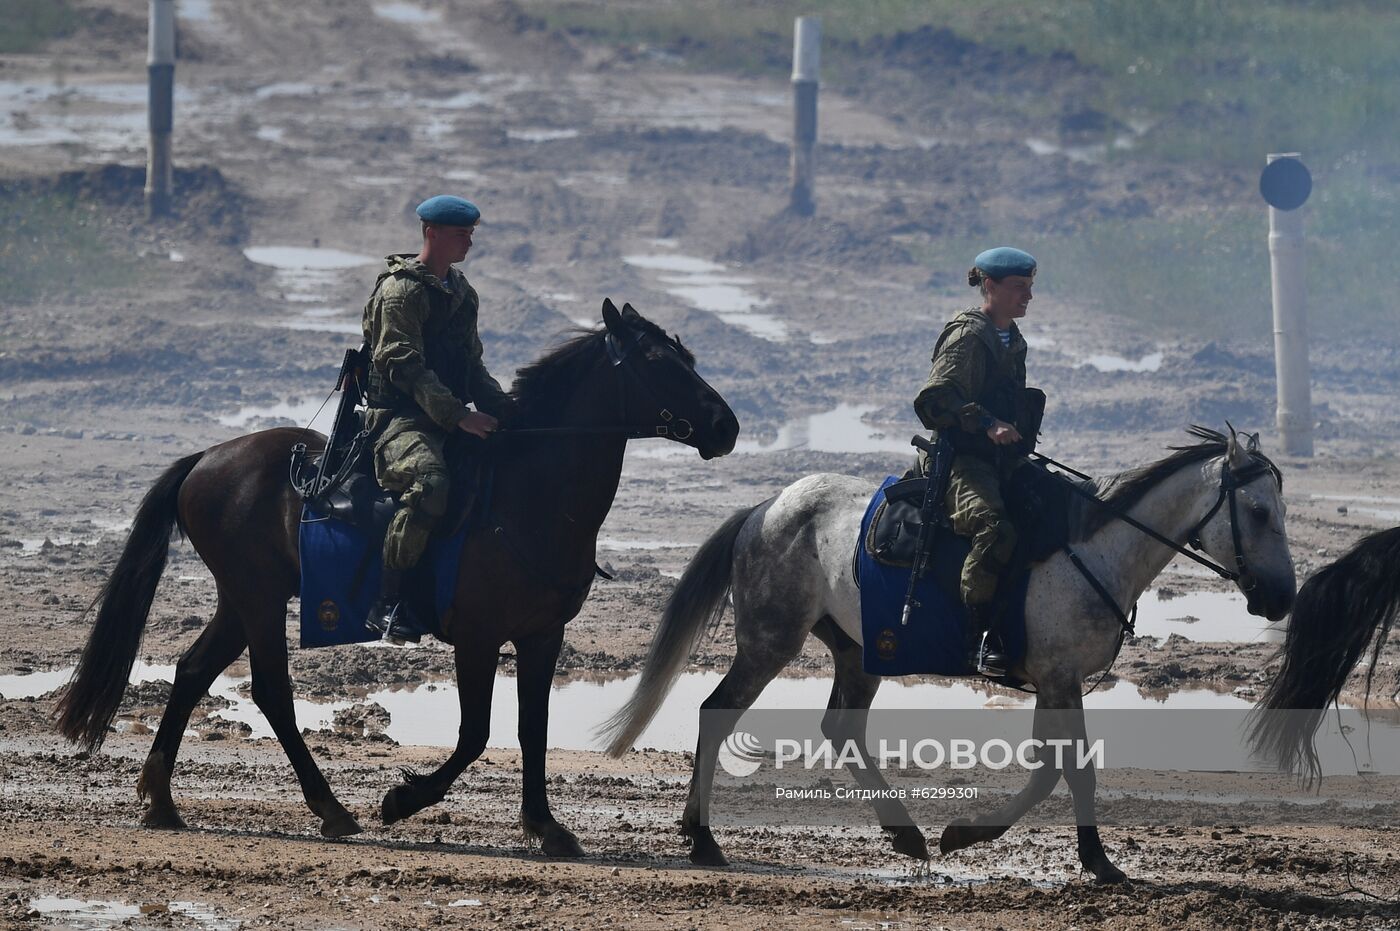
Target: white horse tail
{"x": 694, "y": 607}
{"x": 1342, "y": 610}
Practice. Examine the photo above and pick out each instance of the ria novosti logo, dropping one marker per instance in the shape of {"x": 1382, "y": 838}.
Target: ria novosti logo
{"x": 741, "y": 754}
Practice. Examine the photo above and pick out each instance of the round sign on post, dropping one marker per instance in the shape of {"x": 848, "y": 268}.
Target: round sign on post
{"x": 1285, "y": 183}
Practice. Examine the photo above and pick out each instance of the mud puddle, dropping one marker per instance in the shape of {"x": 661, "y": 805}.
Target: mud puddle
{"x": 712, "y": 287}
{"x": 306, "y": 275}
{"x": 1205, "y": 617}
{"x": 1107, "y": 363}
{"x": 839, "y": 430}
{"x": 112, "y": 913}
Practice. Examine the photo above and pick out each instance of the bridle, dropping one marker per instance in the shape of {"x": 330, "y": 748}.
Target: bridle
{"x": 1230, "y": 482}
{"x": 620, "y": 355}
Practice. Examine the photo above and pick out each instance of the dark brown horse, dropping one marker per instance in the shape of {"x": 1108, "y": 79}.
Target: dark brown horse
{"x": 521, "y": 578}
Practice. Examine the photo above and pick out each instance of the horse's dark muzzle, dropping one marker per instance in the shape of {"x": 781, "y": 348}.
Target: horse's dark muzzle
{"x": 1266, "y": 599}
{"x": 723, "y": 433}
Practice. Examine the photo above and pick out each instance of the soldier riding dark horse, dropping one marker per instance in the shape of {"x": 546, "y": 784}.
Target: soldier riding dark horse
{"x": 425, "y": 367}
{"x": 524, "y": 570}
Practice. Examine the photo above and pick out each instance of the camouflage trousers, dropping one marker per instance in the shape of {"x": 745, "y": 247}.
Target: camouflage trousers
{"x": 977, "y": 511}
{"x": 410, "y": 463}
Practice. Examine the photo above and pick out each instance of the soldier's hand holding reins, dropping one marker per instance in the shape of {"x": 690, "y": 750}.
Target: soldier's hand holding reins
{"x": 1003, "y": 433}
{"x": 478, "y": 423}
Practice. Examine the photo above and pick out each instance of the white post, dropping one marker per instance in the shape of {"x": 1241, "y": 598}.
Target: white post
{"x": 806, "y": 58}
{"x": 1290, "y": 328}
{"x": 160, "y": 107}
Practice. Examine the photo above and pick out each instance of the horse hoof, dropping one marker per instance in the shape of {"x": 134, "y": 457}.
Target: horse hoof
{"x": 393, "y": 808}
{"x": 1106, "y": 874}
{"x": 163, "y": 819}
{"x": 341, "y": 825}
{"x": 909, "y": 841}
{"x": 957, "y": 835}
{"x": 561, "y": 843}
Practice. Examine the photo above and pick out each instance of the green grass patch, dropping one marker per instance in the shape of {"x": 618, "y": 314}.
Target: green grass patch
{"x": 30, "y": 24}
{"x": 1233, "y": 79}
{"x": 51, "y": 246}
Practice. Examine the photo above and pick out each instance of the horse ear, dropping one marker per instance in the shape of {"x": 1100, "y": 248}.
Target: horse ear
{"x": 1237, "y": 455}
{"x": 629, "y": 312}
{"x": 1251, "y": 442}
{"x": 611, "y": 318}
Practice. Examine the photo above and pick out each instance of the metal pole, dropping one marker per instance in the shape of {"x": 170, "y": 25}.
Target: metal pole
{"x": 1290, "y": 328}
{"x": 806, "y": 57}
{"x": 160, "y": 108}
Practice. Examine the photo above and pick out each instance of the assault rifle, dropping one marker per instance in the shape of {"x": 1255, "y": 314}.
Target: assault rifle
{"x": 940, "y": 453}
{"x": 347, "y": 437}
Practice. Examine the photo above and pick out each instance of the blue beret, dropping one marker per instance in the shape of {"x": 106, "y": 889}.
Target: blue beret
{"x": 447, "y": 210}
{"x": 1003, "y": 260}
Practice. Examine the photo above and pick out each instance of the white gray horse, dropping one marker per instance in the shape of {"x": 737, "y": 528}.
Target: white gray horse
{"x": 788, "y": 565}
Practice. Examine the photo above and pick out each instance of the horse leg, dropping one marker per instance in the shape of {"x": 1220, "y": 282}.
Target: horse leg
{"x": 1083, "y": 782}
{"x": 535, "y": 661}
{"x": 963, "y": 833}
{"x": 847, "y": 711}
{"x": 218, "y": 645}
{"x": 476, "y": 679}
{"x": 272, "y": 693}
{"x": 756, "y": 661}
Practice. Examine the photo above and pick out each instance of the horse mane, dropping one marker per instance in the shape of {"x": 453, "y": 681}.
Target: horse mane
{"x": 1126, "y": 489}
{"x": 541, "y": 388}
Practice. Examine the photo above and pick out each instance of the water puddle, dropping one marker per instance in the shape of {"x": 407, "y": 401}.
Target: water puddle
{"x": 1366, "y": 505}
{"x": 465, "y": 100}
{"x": 110, "y": 913}
{"x": 103, "y": 116}
{"x": 313, "y": 413}
{"x": 709, "y": 286}
{"x": 611, "y": 543}
{"x": 195, "y": 11}
{"x": 541, "y": 134}
{"x": 1106, "y": 363}
{"x": 1095, "y": 152}
{"x": 348, "y": 327}
{"x": 840, "y": 430}
{"x": 428, "y": 715}
{"x": 1205, "y": 617}
{"x": 306, "y": 275}
{"x": 406, "y": 13}
{"x": 464, "y": 174}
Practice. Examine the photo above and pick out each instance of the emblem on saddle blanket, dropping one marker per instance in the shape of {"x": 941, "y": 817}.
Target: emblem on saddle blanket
{"x": 934, "y": 641}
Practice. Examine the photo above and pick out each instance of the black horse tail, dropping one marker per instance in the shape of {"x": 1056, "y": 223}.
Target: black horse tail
{"x": 694, "y": 607}
{"x": 88, "y": 704}
{"x": 1343, "y": 609}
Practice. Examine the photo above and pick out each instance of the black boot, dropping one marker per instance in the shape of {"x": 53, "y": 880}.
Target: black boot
{"x": 985, "y": 653}
{"x": 387, "y": 615}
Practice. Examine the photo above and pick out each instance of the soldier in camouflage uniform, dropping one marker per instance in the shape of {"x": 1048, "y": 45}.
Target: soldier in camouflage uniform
{"x": 972, "y": 396}
{"x": 426, "y": 368}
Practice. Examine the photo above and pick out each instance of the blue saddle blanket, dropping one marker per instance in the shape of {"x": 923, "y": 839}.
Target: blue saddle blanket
{"x": 340, "y": 571}
{"x": 935, "y": 641}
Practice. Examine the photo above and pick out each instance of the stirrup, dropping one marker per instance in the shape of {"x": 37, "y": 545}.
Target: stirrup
{"x": 390, "y": 626}
{"x": 988, "y": 662}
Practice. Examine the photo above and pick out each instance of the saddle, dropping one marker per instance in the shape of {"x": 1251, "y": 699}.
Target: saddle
{"x": 1038, "y": 502}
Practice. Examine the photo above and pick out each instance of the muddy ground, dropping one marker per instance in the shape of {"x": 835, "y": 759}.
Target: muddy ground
{"x": 320, "y": 125}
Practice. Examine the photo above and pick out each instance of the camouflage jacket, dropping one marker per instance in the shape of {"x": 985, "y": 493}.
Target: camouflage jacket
{"x": 424, "y": 349}
{"x": 973, "y": 378}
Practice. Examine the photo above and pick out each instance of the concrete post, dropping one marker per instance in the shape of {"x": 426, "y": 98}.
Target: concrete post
{"x": 806, "y": 58}
{"x": 1295, "y": 417}
{"x": 160, "y": 107}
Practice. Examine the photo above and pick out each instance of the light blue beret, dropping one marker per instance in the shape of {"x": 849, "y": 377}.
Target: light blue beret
{"x": 447, "y": 210}
{"x": 1003, "y": 260}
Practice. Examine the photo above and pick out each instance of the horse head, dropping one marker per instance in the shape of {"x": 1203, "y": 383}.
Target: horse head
{"x": 661, "y": 393}
{"x": 1245, "y": 529}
